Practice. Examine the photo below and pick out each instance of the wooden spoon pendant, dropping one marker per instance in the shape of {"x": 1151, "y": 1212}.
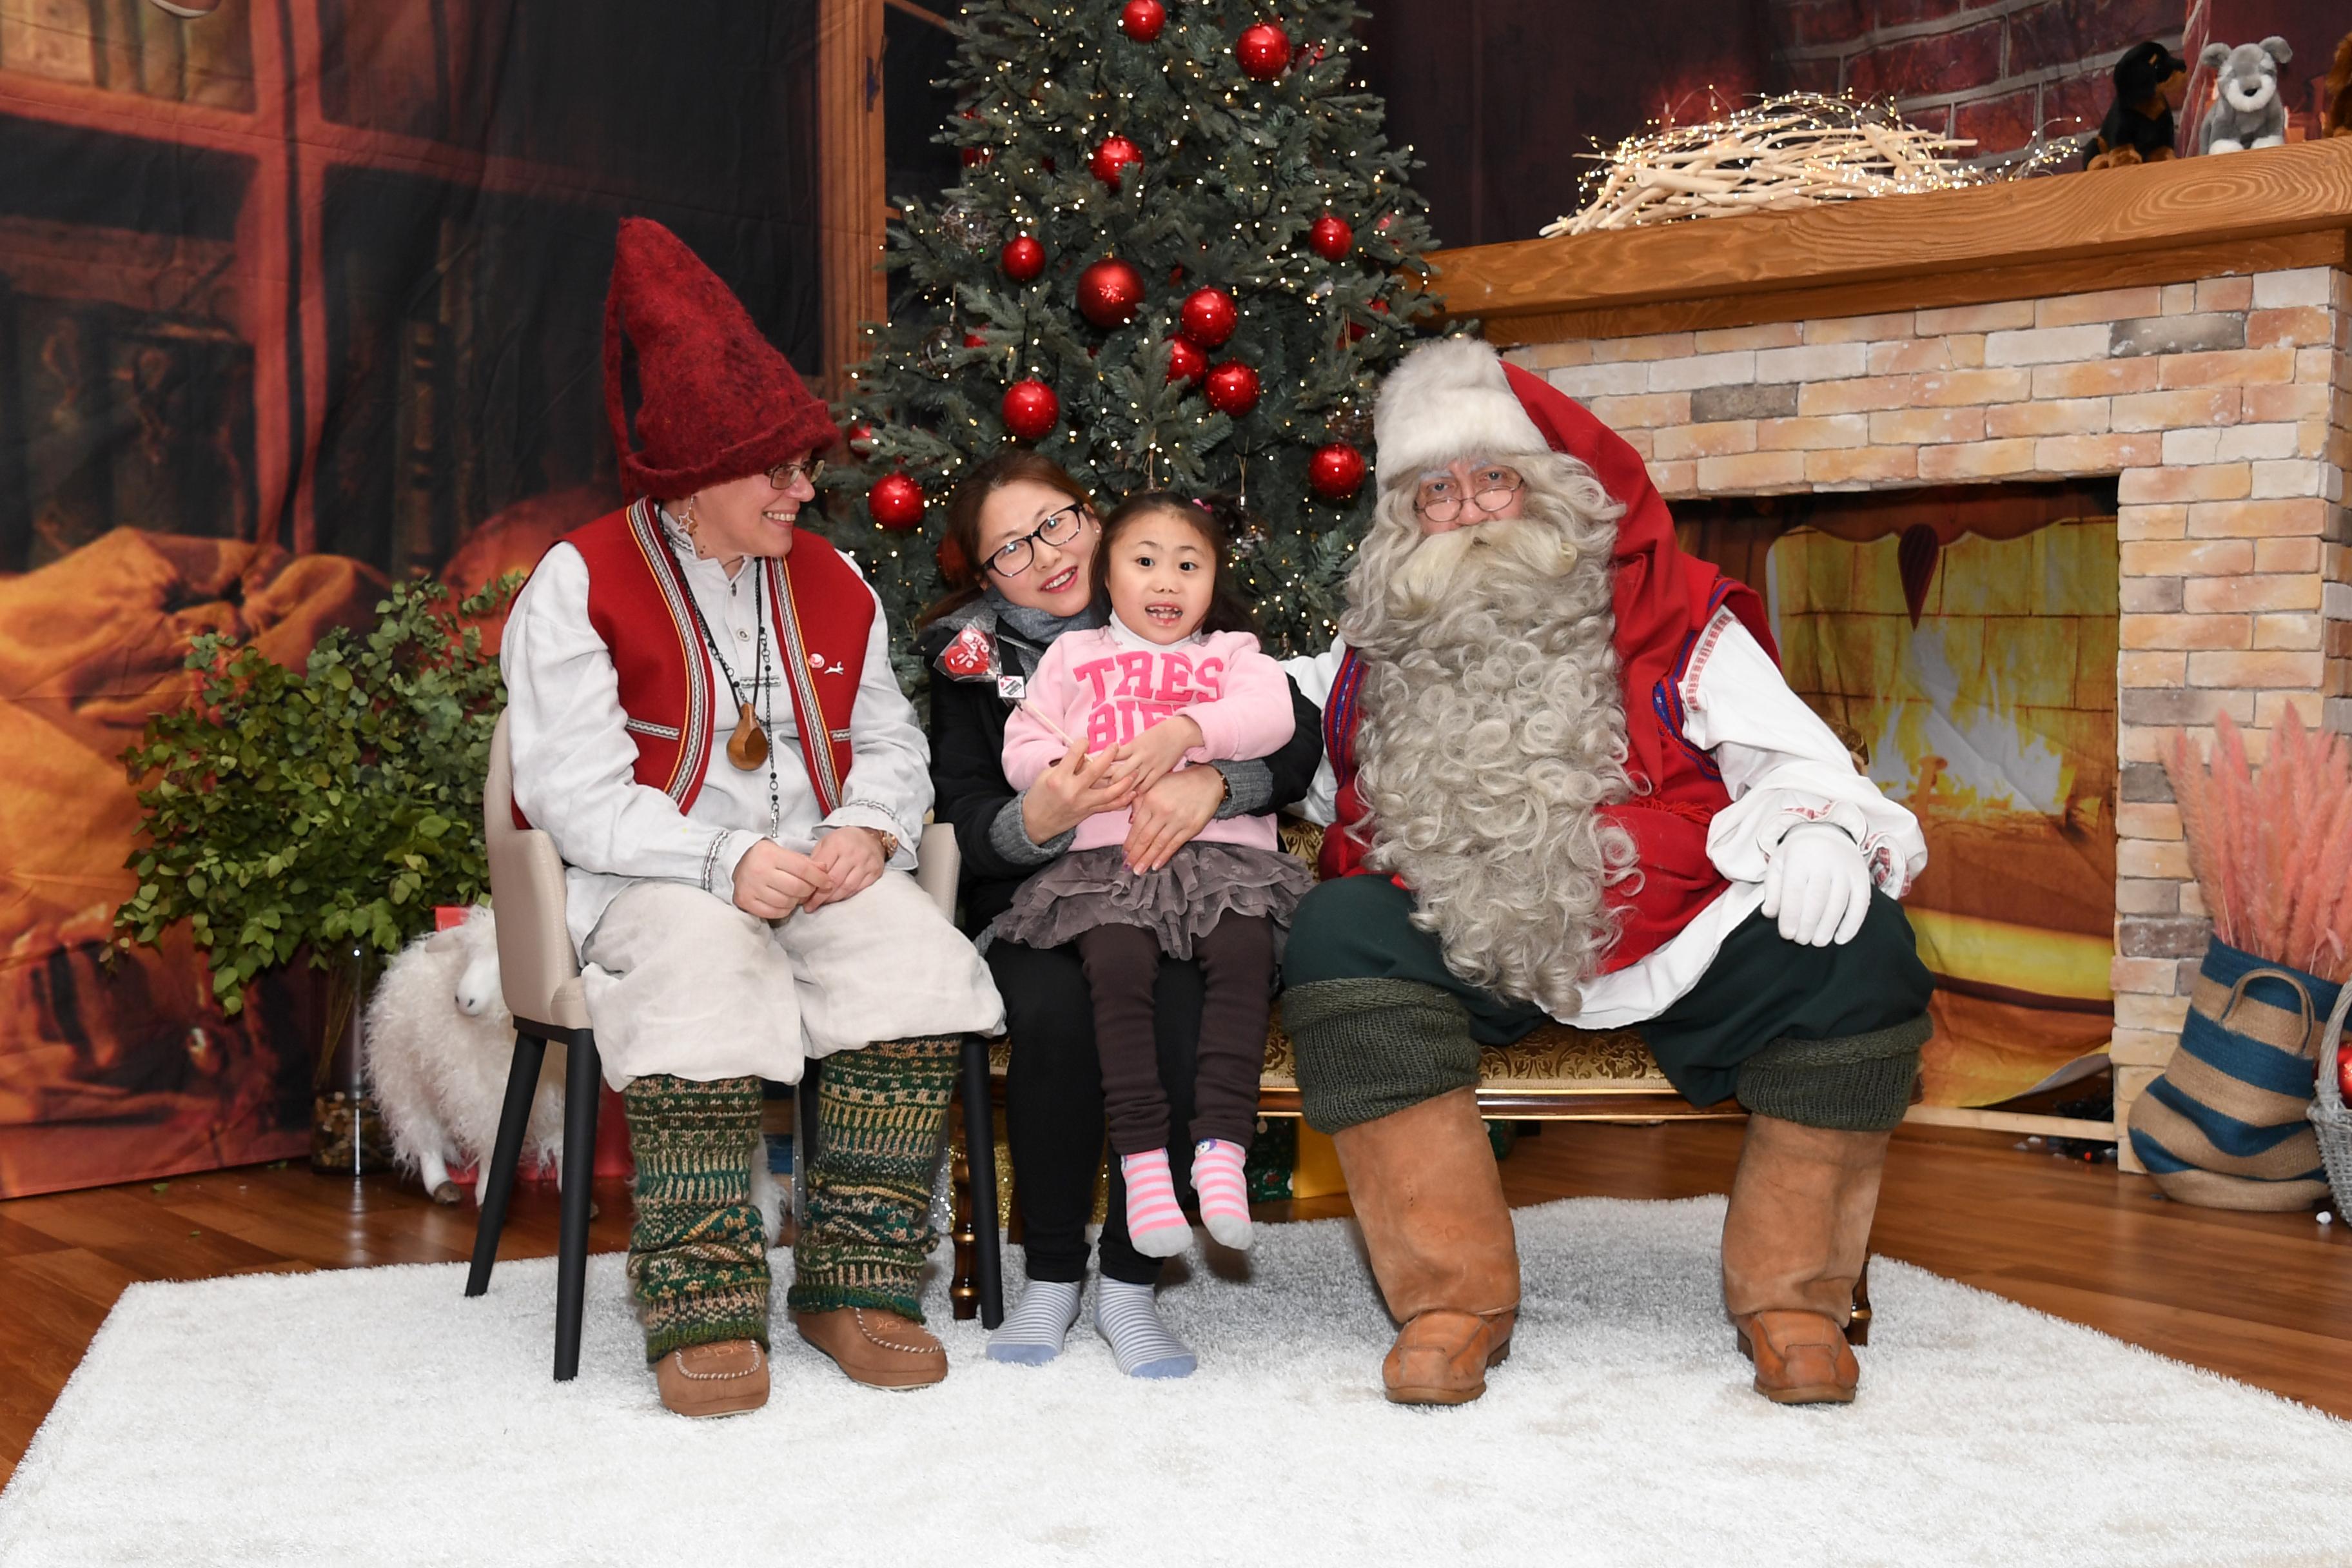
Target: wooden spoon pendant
{"x": 747, "y": 748}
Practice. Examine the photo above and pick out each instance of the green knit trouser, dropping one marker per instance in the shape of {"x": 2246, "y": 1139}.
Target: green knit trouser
{"x": 698, "y": 1259}
{"x": 881, "y": 1114}
{"x": 1854, "y": 1083}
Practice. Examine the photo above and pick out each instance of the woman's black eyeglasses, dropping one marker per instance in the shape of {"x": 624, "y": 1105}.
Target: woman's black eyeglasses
{"x": 1017, "y": 555}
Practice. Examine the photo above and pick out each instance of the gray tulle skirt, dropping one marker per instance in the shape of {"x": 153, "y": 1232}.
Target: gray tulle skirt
{"x": 1179, "y": 903}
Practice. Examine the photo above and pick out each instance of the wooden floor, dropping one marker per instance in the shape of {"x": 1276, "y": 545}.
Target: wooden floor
{"x": 2263, "y": 1298}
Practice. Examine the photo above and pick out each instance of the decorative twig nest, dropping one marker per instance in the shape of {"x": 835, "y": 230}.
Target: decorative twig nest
{"x": 1787, "y": 152}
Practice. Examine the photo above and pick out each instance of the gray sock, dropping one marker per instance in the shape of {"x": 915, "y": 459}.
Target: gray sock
{"x": 1127, "y": 1316}
{"x": 1033, "y": 1330}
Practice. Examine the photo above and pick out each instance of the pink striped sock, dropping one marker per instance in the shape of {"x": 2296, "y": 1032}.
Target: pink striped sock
{"x": 1225, "y": 1196}
{"x": 1155, "y": 1223}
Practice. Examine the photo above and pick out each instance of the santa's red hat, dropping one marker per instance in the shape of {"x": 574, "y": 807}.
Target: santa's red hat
{"x": 716, "y": 401}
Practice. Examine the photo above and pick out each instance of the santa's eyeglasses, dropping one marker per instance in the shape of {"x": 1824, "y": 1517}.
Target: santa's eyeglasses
{"x": 1015, "y": 556}
{"x": 1490, "y": 490}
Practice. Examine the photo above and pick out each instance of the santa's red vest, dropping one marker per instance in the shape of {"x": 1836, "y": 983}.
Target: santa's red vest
{"x": 819, "y": 614}
{"x": 1665, "y": 601}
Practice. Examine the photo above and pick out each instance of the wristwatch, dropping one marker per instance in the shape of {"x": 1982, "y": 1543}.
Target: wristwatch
{"x": 890, "y": 842}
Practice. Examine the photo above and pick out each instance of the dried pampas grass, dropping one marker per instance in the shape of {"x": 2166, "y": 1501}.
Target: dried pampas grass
{"x": 2273, "y": 849}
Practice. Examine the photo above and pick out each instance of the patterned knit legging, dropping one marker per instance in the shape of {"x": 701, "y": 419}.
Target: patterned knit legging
{"x": 880, "y": 1112}
{"x": 698, "y": 1261}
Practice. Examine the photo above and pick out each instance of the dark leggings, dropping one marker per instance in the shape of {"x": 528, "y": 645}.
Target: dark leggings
{"x": 1236, "y": 960}
{"x": 1054, "y": 1106}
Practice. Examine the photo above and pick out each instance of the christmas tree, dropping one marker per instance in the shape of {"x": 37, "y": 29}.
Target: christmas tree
{"x": 1183, "y": 255}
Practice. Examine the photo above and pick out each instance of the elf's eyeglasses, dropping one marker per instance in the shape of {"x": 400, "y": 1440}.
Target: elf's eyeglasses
{"x": 783, "y": 475}
{"x": 1490, "y": 489}
{"x": 1017, "y": 555}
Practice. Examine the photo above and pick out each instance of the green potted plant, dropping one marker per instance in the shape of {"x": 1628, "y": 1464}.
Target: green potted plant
{"x": 322, "y": 814}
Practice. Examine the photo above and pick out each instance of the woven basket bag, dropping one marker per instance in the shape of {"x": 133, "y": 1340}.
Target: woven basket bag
{"x": 2225, "y": 1126}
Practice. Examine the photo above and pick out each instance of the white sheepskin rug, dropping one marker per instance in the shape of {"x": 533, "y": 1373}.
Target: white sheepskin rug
{"x": 376, "y": 1416}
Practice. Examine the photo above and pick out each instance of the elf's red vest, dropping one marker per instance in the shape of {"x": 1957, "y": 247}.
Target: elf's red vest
{"x": 819, "y": 614}
{"x": 1665, "y": 601}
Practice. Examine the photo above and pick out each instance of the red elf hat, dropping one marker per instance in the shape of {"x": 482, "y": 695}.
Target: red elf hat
{"x": 716, "y": 402}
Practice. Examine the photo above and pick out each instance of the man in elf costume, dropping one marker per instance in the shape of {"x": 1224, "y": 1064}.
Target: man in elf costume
{"x": 1565, "y": 778}
{"x": 703, "y": 716}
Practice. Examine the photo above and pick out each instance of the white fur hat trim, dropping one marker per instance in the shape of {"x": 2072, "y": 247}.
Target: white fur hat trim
{"x": 1448, "y": 400}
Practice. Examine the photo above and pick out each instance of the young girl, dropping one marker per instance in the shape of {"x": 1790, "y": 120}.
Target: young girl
{"x": 1176, "y": 678}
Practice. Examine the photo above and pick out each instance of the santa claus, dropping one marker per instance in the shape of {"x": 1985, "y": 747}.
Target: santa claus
{"x": 1566, "y": 778}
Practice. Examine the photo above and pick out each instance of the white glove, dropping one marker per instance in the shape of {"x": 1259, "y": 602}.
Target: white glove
{"x": 1817, "y": 885}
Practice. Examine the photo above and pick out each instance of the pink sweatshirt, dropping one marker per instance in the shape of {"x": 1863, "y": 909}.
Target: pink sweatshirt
{"x": 1105, "y": 687}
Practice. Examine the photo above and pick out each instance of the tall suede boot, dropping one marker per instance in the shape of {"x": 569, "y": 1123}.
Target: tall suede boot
{"x": 1426, "y": 1191}
{"x": 1794, "y": 1241}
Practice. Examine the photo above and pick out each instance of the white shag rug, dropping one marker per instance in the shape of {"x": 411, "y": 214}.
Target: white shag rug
{"x": 375, "y": 1416}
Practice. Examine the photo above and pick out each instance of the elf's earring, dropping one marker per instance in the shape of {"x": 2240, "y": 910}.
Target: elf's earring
{"x": 686, "y": 520}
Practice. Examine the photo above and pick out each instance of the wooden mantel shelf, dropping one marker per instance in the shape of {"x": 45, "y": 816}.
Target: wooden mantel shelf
{"x": 2277, "y": 207}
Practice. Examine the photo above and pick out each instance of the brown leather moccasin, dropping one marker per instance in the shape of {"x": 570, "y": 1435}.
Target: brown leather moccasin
{"x": 1802, "y": 1358}
{"x": 726, "y": 1377}
{"x": 877, "y": 1348}
{"x": 1442, "y": 1357}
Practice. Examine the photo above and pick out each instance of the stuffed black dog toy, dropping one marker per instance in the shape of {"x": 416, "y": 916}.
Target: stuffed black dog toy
{"x": 2150, "y": 82}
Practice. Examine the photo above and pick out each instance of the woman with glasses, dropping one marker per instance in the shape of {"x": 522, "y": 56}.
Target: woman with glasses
{"x": 1016, "y": 551}
{"x": 703, "y": 716}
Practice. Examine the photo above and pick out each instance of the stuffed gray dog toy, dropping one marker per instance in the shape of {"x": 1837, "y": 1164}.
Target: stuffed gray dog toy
{"x": 2247, "y": 109}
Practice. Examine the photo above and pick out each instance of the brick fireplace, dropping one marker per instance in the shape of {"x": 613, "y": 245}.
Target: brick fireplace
{"x": 2181, "y": 330}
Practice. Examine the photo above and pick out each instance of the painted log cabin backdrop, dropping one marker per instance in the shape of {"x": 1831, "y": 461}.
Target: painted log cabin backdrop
{"x": 299, "y": 296}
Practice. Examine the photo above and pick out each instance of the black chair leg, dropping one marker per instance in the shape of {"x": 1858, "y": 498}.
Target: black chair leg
{"x": 980, "y": 1158}
{"x": 498, "y": 1182}
{"x": 584, "y": 1082}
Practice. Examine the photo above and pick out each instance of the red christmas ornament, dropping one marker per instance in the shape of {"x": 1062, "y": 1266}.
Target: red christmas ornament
{"x": 1142, "y": 20}
{"x": 1110, "y": 294}
{"x": 860, "y": 439}
{"x": 974, "y": 340}
{"x": 895, "y": 502}
{"x": 973, "y": 156}
{"x": 1263, "y": 49}
{"x": 1209, "y": 317}
{"x": 1022, "y": 259}
{"x": 1113, "y": 158}
{"x": 1331, "y": 238}
{"x": 1233, "y": 389}
{"x": 1356, "y": 329}
{"x": 1336, "y": 471}
{"x": 1030, "y": 409}
{"x": 1186, "y": 363}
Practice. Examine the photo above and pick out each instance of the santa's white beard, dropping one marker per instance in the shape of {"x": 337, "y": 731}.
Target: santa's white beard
{"x": 1492, "y": 732}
